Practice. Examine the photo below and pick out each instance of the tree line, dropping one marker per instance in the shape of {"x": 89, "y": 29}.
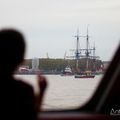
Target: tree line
{"x": 46, "y": 64}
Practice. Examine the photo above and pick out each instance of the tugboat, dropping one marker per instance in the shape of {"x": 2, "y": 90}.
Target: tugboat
{"x": 67, "y": 71}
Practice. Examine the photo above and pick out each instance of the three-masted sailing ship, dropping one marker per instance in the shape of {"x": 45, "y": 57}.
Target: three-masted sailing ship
{"x": 87, "y": 73}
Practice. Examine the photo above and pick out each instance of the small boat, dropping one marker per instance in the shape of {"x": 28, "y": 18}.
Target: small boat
{"x": 23, "y": 70}
{"x": 67, "y": 71}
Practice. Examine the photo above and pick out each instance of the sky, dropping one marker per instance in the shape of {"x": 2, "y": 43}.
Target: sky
{"x": 49, "y": 26}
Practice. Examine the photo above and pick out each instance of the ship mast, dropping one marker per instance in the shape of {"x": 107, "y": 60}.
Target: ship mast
{"x": 88, "y": 52}
{"x": 77, "y": 53}
{"x": 87, "y": 49}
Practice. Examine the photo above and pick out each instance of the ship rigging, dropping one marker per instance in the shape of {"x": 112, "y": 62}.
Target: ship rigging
{"x": 84, "y": 53}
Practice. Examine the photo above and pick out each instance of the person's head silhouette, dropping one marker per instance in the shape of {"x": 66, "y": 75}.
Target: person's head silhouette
{"x": 12, "y": 49}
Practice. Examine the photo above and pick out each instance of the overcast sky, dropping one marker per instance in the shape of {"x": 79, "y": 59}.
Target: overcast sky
{"x": 49, "y": 26}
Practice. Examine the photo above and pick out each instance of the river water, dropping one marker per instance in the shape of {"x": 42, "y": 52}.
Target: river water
{"x": 65, "y": 92}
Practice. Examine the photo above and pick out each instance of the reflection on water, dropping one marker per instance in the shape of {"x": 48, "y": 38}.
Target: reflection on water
{"x": 65, "y": 91}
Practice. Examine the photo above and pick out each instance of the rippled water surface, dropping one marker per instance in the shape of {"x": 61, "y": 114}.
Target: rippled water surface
{"x": 65, "y": 92}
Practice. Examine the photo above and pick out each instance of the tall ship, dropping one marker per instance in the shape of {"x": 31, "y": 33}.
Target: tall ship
{"x": 87, "y": 73}
{"x": 88, "y": 54}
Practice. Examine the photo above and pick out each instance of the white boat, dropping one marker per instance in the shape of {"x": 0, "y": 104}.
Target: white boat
{"x": 67, "y": 71}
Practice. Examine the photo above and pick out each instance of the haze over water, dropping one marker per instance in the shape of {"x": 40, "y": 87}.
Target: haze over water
{"x": 65, "y": 92}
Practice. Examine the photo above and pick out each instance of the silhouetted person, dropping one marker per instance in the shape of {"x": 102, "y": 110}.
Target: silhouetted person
{"x": 18, "y": 101}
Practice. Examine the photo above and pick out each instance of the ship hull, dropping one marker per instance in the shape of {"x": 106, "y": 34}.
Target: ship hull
{"x": 84, "y": 76}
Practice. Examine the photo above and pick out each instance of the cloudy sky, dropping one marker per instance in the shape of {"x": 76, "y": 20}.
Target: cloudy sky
{"x": 49, "y": 26}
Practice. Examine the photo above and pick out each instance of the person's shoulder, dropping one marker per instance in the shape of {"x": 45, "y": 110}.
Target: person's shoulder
{"x": 19, "y": 84}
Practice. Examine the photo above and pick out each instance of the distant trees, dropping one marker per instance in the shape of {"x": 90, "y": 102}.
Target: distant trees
{"x": 46, "y": 64}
